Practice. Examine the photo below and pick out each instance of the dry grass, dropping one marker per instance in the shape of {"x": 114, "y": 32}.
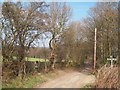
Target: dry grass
{"x": 107, "y": 77}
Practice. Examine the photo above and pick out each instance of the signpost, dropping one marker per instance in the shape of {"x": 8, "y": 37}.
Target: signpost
{"x": 111, "y": 59}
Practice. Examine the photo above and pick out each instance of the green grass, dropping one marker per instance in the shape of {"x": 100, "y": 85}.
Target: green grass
{"x": 28, "y": 59}
{"x": 34, "y": 59}
{"x": 28, "y": 82}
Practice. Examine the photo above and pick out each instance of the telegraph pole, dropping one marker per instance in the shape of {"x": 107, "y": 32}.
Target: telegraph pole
{"x": 95, "y": 49}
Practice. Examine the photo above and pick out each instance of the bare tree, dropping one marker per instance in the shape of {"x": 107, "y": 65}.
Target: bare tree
{"x": 59, "y": 16}
{"x": 22, "y": 26}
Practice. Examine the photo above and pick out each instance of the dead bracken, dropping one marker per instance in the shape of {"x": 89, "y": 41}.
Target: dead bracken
{"x": 107, "y": 77}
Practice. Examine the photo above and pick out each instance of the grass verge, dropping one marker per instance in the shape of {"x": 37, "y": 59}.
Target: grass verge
{"x": 30, "y": 81}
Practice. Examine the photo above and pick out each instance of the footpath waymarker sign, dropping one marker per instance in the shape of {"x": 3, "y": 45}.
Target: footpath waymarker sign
{"x": 111, "y": 59}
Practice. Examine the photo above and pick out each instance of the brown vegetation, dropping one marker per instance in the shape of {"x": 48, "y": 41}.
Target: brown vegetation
{"x": 107, "y": 77}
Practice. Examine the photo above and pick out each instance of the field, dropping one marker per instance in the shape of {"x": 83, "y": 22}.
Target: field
{"x": 0, "y": 58}
{"x": 36, "y": 59}
{"x": 29, "y": 59}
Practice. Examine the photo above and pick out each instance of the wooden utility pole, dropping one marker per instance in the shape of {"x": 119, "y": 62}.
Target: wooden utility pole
{"x": 95, "y": 49}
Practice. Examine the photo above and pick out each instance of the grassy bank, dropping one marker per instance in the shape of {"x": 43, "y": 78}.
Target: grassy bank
{"x": 31, "y": 80}
{"x": 27, "y": 82}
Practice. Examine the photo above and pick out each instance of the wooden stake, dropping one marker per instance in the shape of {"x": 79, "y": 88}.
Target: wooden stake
{"x": 95, "y": 49}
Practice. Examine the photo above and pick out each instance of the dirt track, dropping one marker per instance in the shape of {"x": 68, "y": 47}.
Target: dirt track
{"x": 72, "y": 79}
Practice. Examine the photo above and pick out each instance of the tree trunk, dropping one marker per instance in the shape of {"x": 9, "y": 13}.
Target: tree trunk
{"x": 21, "y": 58}
{"x": 52, "y": 60}
{"x": 52, "y": 46}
